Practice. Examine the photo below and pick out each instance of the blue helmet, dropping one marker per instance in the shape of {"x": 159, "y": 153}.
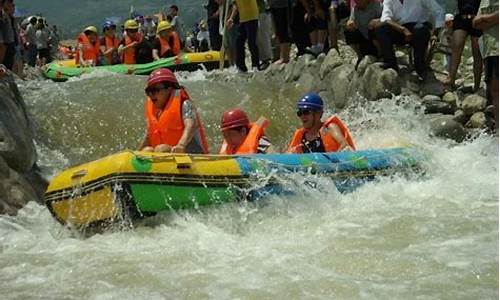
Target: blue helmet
{"x": 108, "y": 24}
{"x": 310, "y": 101}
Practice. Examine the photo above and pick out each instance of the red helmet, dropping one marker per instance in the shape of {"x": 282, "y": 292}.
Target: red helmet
{"x": 233, "y": 118}
{"x": 162, "y": 75}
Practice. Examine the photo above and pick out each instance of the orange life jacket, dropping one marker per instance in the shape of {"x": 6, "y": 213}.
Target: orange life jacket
{"x": 128, "y": 56}
{"x": 110, "y": 43}
{"x": 165, "y": 46}
{"x": 251, "y": 142}
{"x": 330, "y": 144}
{"x": 90, "y": 52}
{"x": 169, "y": 127}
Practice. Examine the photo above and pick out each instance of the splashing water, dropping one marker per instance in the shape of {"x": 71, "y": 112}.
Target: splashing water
{"x": 436, "y": 237}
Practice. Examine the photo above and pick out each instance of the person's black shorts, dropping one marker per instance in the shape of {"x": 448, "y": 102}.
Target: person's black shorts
{"x": 45, "y": 53}
{"x": 490, "y": 68}
{"x": 342, "y": 11}
{"x": 281, "y": 22}
{"x": 10, "y": 54}
{"x": 316, "y": 23}
{"x": 460, "y": 23}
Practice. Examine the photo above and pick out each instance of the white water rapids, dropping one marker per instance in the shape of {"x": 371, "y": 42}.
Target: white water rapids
{"x": 430, "y": 238}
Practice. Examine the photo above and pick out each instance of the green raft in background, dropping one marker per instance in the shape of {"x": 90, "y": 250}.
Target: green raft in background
{"x": 63, "y": 70}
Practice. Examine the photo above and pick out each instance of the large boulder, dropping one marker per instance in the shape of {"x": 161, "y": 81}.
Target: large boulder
{"x": 16, "y": 138}
{"x": 377, "y": 83}
{"x": 473, "y": 103}
{"x": 445, "y": 126}
{"x": 340, "y": 83}
{"x": 20, "y": 181}
{"x": 330, "y": 62}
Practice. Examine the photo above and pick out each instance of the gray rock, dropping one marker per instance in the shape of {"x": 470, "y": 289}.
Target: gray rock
{"x": 450, "y": 98}
{"x": 377, "y": 83}
{"x": 460, "y": 116}
{"x": 490, "y": 111}
{"x": 307, "y": 82}
{"x": 327, "y": 99}
{"x": 437, "y": 106}
{"x": 299, "y": 68}
{"x": 331, "y": 61}
{"x": 340, "y": 84}
{"x": 446, "y": 127}
{"x": 320, "y": 59}
{"x": 431, "y": 98}
{"x": 16, "y": 138}
{"x": 432, "y": 87}
{"x": 477, "y": 120}
{"x": 289, "y": 69}
{"x": 364, "y": 63}
{"x": 473, "y": 104}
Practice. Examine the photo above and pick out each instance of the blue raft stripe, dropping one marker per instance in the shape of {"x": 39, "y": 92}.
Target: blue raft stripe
{"x": 329, "y": 162}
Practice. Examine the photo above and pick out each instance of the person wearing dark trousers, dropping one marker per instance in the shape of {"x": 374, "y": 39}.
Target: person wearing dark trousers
{"x": 7, "y": 35}
{"x": 407, "y": 22}
{"x": 248, "y": 12}
{"x": 300, "y": 33}
{"x": 280, "y": 11}
{"x": 213, "y": 12}
{"x": 487, "y": 21}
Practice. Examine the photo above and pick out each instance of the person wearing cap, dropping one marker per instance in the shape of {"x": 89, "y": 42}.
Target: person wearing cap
{"x": 109, "y": 44}
{"x": 87, "y": 47}
{"x": 130, "y": 42}
{"x": 462, "y": 27}
{"x": 243, "y": 137}
{"x": 173, "y": 124}
{"x": 316, "y": 135}
{"x": 167, "y": 44}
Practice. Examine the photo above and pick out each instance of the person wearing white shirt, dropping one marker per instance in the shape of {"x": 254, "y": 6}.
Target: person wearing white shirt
{"x": 408, "y": 22}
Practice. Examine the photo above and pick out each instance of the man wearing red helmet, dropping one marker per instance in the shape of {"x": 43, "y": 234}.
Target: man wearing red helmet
{"x": 173, "y": 125}
{"x": 243, "y": 137}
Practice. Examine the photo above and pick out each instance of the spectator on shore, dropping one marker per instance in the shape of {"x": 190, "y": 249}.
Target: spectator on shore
{"x": 338, "y": 11}
{"x": 7, "y": 35}
{"x": 407, "y": 22}
{"x": 264, "y": 33}
{"x": 316, "y": 21}
{"x": 462, "y": 27}
{"x": 231, "y": 38}
{"x": 178, "y": 24}
{"x": 360, "y": 28}
{"x": 213, "y": 14}
{"x": 248, "y": 13}
{"x": 42, "y": 44}
{"x": 281, "y": 11}
{"x": 203, "y": 38}
{"x": 446, "y": 41}
{"x": 487, "y": 21}
{"x": 30, "y": 34}
{"x": 54, "y": 41}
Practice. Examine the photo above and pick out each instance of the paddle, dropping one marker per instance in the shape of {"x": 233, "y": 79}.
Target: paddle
{"x": 222, "y": 52}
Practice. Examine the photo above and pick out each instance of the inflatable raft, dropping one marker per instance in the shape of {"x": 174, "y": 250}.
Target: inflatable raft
{"x": 63, "y": 69}
{"x": 134, "y": 184}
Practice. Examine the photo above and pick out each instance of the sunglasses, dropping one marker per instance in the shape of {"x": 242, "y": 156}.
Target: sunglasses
{"x": 110, "y": 27}
{"x": 154, "y": 90}
{"x": 303, "y": 112}
{"x": 131, "y": 30}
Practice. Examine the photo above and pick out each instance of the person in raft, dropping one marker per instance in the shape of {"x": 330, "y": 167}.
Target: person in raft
{"x": 316, "y": 135}
{"x": 167, "y": 44}
{"x": 173, "y": 125}
{"x": 109, "y": 44}
{"x": 87, "y": 47}
{"x": 243, "y": 137}
{"x": 129, "y": 43}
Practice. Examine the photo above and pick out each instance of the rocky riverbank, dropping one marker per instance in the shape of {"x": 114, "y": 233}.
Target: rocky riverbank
{"x": 452, "y": 114}
{"x": 20, "y": 181}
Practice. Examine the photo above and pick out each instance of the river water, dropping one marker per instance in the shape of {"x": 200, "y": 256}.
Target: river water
{"x": 430, "y": 238}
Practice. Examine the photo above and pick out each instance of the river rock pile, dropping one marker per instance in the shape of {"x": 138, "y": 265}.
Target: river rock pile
{"x": 452, "y": 114}
{"x": 20, "y": 181}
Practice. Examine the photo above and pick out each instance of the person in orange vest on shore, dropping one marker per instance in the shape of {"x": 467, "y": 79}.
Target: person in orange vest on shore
{"x": 109, "y": 44}
{"x": 87, "y": 47}
{"x": 316, "y": 135}
{"x": 173, "y": 124}
{"x": 167, "y": 42}
{"x": 129, "y": 43}
{"x": 243, "y": 137}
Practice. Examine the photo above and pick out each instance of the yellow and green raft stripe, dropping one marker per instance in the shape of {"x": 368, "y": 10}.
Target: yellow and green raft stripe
{"x": 62, "y": 70}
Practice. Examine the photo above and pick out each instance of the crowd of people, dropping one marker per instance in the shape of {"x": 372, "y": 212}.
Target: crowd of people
{"x": 370, "y": 27}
